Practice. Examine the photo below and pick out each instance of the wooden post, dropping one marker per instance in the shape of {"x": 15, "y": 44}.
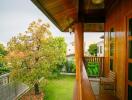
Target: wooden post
{"x": 78, "y": 29}
{"x": 79, "y": 54}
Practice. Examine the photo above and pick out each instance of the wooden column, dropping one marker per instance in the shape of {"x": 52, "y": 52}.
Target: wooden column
{"x": 78, "y": 29}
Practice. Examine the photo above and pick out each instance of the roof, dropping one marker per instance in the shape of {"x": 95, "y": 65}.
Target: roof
{"x": 64, "y": 13}
{"x": 100, "y": 42}
{"x": 70, "y": 55}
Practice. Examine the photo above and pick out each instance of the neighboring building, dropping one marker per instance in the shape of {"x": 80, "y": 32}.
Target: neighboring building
{"x": 70, "y": 49}
{"x": 70, "y": 57}
{"x": 100, "y": 51}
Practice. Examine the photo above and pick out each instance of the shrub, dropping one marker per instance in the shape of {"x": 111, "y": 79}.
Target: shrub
{"x": 92, "y": 69}
{"x": 70, "y": 66}
{"x": 4, "y": 70}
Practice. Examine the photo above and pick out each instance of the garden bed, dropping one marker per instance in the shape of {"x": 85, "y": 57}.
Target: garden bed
{"x": 54, "y": 89}
{"x": 30, "y": 95}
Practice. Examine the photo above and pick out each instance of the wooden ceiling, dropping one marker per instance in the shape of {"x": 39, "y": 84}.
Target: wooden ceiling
{"x": 64, "y": 13}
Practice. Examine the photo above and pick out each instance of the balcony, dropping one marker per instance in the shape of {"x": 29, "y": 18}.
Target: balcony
{"x": 88, "y": 87}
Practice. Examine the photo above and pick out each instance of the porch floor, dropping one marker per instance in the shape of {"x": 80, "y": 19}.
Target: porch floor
{"x": 101, "y": 94}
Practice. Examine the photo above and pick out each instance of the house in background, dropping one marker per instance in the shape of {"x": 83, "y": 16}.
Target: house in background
{"x": 70, "y": 49}
{"x": 100, "y": 45}
{"x": 100, "y": 51}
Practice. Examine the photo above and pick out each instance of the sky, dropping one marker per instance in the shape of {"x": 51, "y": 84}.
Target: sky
{"x": 16, "y": 15}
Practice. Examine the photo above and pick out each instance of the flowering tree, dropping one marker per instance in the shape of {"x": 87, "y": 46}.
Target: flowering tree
{"x": 35, "y": 54}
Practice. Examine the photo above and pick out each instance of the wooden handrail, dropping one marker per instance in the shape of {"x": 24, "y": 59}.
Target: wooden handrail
{"x": 83, "y": 89}
{"x": 87, "y": 92}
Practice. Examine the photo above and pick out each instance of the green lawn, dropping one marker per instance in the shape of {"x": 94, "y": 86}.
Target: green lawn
{"x": 59, "y": 89}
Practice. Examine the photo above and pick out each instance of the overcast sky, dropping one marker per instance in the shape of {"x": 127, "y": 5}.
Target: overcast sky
{"x": 15, "y": 16}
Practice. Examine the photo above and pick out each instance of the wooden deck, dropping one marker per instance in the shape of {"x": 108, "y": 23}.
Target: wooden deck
{"x": 106, "y": 97}
{"x": 101, "y": 95}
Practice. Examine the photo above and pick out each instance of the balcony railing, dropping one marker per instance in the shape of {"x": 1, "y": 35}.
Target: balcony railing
{"x": 83, "y": 89}
{"x": 94, "y": 66}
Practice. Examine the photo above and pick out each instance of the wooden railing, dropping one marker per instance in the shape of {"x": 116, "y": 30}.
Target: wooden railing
{"x": 87, "y": 92}
{"x": 83, "y": 89}
{"x": 99, "y": 60}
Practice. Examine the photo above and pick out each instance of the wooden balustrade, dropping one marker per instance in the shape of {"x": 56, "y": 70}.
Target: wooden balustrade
{"x": 83, "y": 89}
{"x": 87, "y": 92}
{"x": 99, "y": 60}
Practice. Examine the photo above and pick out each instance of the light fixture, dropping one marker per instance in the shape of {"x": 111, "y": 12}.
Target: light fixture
{"x": 97, "y": 1}
{"x": 70, "y": 30}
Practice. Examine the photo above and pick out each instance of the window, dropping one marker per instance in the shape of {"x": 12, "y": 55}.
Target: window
{"x": 129, "y": 59}
{"x": 111, "y": 43}
{"x": 130, "y": 27}
{"x": 130, "y": 49}
{"x": 100, "y": 49}
{"x": 129, "y": 92}
{"x": 97, "y": 49}
{"x": 129, "y": 71}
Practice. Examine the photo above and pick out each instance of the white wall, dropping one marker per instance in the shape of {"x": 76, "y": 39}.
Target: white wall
{"x": 100, "y": 46}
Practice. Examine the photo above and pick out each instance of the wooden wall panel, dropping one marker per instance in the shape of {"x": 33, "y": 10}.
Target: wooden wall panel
{"x": 116, "y": 18}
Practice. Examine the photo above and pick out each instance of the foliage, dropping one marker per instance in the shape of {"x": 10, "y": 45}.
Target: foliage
{"x": 35, "y": 53}
{"x": 3, "y": 65}
{"x": 2, "y": 61}
{"x": 92, "y": 69}
{"x": 2, "y": 50}
{"x": 58, "y": 47}
{"x": 70, "y": 66}
{"x": 59, "y": 89}
{"x": 4, "y": 70}
{"x": 93, "y": 49}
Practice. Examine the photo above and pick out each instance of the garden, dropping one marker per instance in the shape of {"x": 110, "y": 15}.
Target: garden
{"x": 35, "y": 55}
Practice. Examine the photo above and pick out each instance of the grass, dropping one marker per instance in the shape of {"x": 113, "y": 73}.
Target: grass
{"x": 59, "y": 89}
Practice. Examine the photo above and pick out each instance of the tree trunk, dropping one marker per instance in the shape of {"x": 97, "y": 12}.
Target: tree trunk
{"x": 36, "y": 88}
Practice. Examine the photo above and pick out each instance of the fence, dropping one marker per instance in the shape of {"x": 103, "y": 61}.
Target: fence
{"x": 95, "y": 65}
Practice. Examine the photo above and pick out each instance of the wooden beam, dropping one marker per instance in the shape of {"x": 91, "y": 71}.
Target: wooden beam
{"x": 93, "y": 19}
{"x": 98, "y": 12}
{"x": 80, "y": 15}
{"x": 94, "y": 16}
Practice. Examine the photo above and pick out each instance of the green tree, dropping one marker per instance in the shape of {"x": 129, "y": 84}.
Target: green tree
{"x": 3, "y": 52}
{"x": 35, "y": 54}
{"x": 93, "y": 49}
{"x": 58, "y": 48}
